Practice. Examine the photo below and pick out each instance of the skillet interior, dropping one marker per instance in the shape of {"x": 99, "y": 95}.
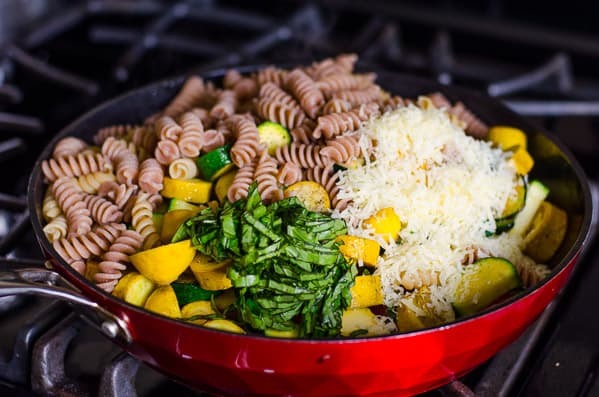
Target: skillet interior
{"x": 554, "y": 164}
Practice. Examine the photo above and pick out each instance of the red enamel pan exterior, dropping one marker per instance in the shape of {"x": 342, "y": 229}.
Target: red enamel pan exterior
{"x": 405, "y": 364}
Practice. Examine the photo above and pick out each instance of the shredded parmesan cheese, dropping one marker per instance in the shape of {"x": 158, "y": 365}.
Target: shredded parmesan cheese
{"x": 447, "y": 189}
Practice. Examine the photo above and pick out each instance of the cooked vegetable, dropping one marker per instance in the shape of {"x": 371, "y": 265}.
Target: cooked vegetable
{"x": 507, "y": 138}
{"x": 134, "y": 288}
{"x": 158, "y": 220}
{"x": 188, "y": 293}
{"x": 535, "y": 195}
{"x": 198, "y": 312}
{"x": 362, "y": 322}
{"x": 275, "y": 333}
{"x": 418, "y": 312}
{"x": 163, "y": 301}
{"x": 221, "y": 187}
{"x": 193, "y": 190}
{"x": 483, "y": 282}
{"x": 285, "y": 262}
{"x": 172, "y": 220}
{"x": 164, "y": 264}
{"x": 210, "y": 274}
{"x": 386, "y": 223}
{"x": 546, "y": 232}
{"x": 224, "y": 299}
{"x": 176, "y": 204}
{"x": 311, "y": 194}
{"x": 273, "y": 135}
{"x": 523, "y": 162}
{"x": 215, "y": 163}
{"x": 224, "y": 325}
{"x": 514, "y": 205}
{"x": 366, "y": 292}
{"x": 359, "y": 248}
{"x": 91, "y": 268}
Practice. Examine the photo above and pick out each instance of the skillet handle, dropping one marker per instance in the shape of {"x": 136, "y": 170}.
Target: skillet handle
{"x": 42, "y": 282}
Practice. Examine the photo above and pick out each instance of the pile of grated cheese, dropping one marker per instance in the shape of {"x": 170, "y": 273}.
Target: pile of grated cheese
{"x": 446, "y": 187}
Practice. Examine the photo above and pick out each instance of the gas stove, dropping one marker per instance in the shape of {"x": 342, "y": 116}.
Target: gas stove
{"x": 69, "y": 57}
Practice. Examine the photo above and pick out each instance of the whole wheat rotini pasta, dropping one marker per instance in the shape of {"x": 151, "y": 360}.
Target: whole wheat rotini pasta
{"x": 336, "y": 105}
{"x": 83, "y": 246}
{"x": 306, "y": 91}
{"x": 150, "y": 176}
{"x": 289, "y": 173}
{"x": 144, "y": 137}
{"x": 70, "y": 200}
{"x": 303, "y": 132}
{"x": 116, "y": 131}
{"x": 212, "y": 139}
{"x": 341, "y": 64}
{"x": 343, "y": 82}
{"x": 359, "y": 96}
{"x": 69, "y": 146}
{"x": 115, "y": 259}
{"x": 191, "y": 95}
{"x": 288, "y": 117}
{"x": 102, "y": 211}
{"x": 243, "y": 178}
{"x": 192, "y": 139}
{"x": 271, "y": 74}
{"x": 183, "y": 169}
{"x": 305, "y": 156}
{"x": 167, "y": 128}
{"x": 341, "y": 149}
{"x": 265, "y": 175}
{"x": 166, "y": 152}
{"x": 328, "y": 178}
{"x": 225, "y": 105}
{"x": 276, "y": 94}
{"x": 339, "y": 123}
{"x": 119, "y": 194}
{"x": 246, "y": 146}
{"x": 77, "y": 165}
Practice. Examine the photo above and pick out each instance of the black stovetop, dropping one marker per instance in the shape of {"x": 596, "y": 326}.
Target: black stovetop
{"x": 84, "y": 53}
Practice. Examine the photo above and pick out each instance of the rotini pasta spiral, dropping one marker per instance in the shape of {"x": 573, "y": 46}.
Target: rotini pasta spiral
{"x": 50, "y": 208}
{"x": 119, "y": 194}
{"x": 342, "y": 82}
{"x": 417, "y": 278}
{"x": 212, "y": 140}
{"x": 276, "y": 94}
{"x": 531, "y": 272}
{"x": 243, "y": 178}
{"x": 265, "y": 176}
{"x": 166, "y": 152}
{"x": 77, "y": 165}
{"x": 271, "y": 74}
{"x": 70, "y": 200}
{"x": 473, "y": 125}
{"x": 289, "y": 173}
{"x": 150, "y": 176}
{"x": 182, "y": 169}
{"x": 225, "y": 105}
{"x": 115, "y": 259}
{"x": 328, "y": 178}
{"x": 126, "y": 167}
{"x": 191, "y": 95}
{"x": 56, "y": 228}
{"x": 83, "y": 246}
{"x": 167, "y": 128}
{"x": 246, "y": 146}
{"x": 102, "y": 211}
{"x": 144, "y": 137}
{"x": 90, "y": 183}
{"x": 342, "y": 64}
{"x": 279, "y": 113}
{"x": 303, "y": 132}
{"x": 231, "y": 78}
{"x": 244, "y": 87}
{"x": 141, "y": 219}
{"x": 342, "y": 149}
{"x": 306, "y": 91}
{"x": 339, "y": 123}
{"x": 336, "y": 105}
{"x": 204, "y": 116}
{"x": 359, "y": 96}
{"x": 305, "y": 156}
{"x": 191, "y": 141}
{"x": 69, "y": 146}
{"x": 115, "y": 131}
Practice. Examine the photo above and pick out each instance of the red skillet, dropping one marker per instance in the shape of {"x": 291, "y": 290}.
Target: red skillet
{"x": 230, "y": 364}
